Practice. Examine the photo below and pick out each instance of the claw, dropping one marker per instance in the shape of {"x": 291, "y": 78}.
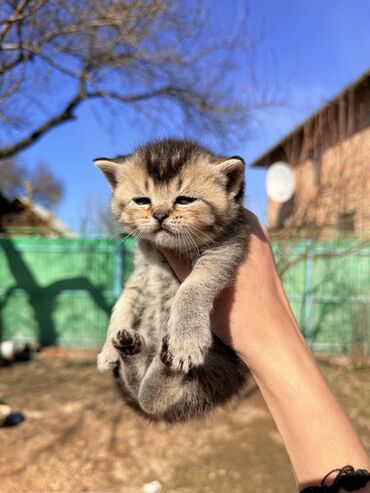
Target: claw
{"x": 174, "y": 354}
{"x": 126, "y": 343}
{"x": 166, "y": 356}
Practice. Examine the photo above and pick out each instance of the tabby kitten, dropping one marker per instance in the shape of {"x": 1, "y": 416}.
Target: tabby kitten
{"x": 175, "y": 194}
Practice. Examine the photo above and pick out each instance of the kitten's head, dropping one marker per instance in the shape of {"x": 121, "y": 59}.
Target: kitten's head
{"x": 175, "y": 193}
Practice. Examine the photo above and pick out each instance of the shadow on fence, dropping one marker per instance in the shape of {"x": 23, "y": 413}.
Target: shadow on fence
{"x": 41, "y": 297}
{"x": 61, "y": 291}
{"x": 328, "y": 285}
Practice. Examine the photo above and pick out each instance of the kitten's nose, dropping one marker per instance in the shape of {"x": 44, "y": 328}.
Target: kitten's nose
{"x": 160, "y": 216}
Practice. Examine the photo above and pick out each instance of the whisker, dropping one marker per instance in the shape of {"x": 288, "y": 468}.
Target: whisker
{"x": 191, "y": 226}
{"x": 191, "y": 240}
{"x": 195, "y": 231}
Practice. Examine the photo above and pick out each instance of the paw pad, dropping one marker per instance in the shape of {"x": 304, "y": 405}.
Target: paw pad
{"x": 127, "y": 343}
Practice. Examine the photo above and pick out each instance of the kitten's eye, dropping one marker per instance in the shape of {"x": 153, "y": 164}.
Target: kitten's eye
{"x": 141, "y": 200}
{"x": 184, "y": 200}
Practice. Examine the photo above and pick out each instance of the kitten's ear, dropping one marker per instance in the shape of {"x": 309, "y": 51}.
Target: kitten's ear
{"x": 109, "y": 168}
{"x": 233, "y": 169}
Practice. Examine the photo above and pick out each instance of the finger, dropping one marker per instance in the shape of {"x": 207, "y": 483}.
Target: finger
{"x": 180, "y": 266}
{"x": 255, "y": 226}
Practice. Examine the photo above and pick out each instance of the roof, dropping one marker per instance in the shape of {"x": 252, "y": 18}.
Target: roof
{"x": 53, "y": 221}
{"x": 46, "y": 219}
{"x": 277, "y": 153}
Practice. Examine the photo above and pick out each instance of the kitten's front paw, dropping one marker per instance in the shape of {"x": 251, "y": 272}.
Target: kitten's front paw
{"x": 107, "y": 358}
{"x": 127, "y": 342}
{"x": 183, "y": 354}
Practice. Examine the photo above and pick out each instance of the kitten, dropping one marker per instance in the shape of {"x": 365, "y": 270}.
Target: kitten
{"x": 178, "y": 195}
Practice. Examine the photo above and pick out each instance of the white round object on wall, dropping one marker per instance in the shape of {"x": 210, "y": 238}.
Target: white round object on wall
{"x": 280, "y": 182}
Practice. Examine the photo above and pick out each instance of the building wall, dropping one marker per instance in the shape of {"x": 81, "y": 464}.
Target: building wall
{"x": 332, "y": 187}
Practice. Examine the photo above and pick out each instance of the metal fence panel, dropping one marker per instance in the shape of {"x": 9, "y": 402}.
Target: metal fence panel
{"x": 328, "y": 285}
{"x": 61, "y": 291}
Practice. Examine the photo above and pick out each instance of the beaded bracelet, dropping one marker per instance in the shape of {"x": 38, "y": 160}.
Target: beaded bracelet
{"x": 347, "y": 478}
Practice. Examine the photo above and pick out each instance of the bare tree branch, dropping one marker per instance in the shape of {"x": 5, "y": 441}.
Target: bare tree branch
{"x": 40, "y": 184}
{"x": 168, "y": 51}
{"x": 64, "y": 115}
{"x": 68, "y": 112}
{"x": 14, "y": 17}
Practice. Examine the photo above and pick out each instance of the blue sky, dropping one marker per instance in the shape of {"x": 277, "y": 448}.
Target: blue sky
{"x": 317, "y": 48}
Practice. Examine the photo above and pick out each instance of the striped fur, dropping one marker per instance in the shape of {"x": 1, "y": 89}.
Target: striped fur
{"x": 159, "y": 338}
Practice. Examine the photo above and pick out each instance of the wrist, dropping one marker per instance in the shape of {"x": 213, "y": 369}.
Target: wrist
{"x": 305, "y": 411}
{"x": 271, "y": 338}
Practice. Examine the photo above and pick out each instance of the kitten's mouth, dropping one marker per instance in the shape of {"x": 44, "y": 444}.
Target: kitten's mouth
{"x": 161, "y": 230}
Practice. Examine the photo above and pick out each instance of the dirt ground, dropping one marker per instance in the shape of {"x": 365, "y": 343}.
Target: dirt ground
{"x": 79, "y": 436}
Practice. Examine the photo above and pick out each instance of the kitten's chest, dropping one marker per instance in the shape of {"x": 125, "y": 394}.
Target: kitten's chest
{"x": 161, "y": 285}
{"x": 159, "y": 289}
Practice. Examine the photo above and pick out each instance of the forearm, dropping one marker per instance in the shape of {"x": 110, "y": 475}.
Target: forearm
{"x": 315, "y": 431}
{"x": 255, "y": 319}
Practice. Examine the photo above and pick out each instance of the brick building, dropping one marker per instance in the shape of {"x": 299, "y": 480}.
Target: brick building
{"x": 330, "y": 157}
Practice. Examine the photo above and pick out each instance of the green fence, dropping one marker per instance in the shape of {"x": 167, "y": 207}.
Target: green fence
{"x": 328, "y": 286}
{"x": 61, "y": 291}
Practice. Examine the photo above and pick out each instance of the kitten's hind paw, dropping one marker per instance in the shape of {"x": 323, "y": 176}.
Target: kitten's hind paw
{"x": 107, "y": 359}
{"x": 127, "y": 342}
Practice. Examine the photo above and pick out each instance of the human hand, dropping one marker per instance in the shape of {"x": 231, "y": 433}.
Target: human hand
{"x": 245, "y": 315}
